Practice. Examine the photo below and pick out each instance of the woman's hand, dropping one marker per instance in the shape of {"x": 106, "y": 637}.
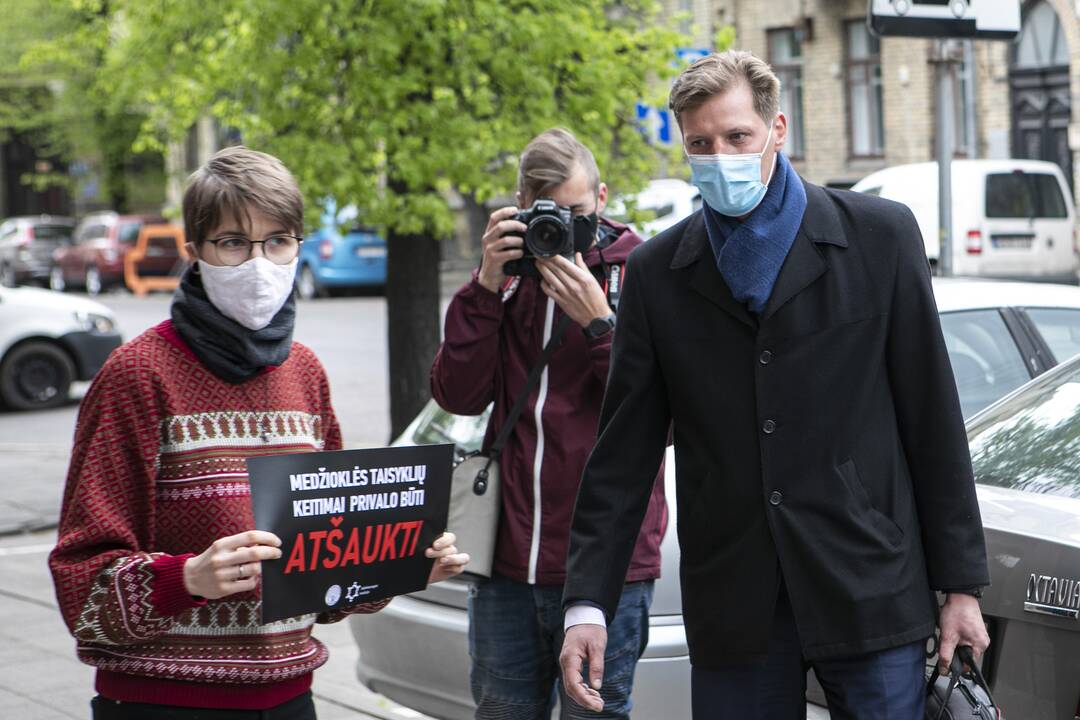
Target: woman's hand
{"x": 231, "y": 564}
{"x": 448, "y": 561}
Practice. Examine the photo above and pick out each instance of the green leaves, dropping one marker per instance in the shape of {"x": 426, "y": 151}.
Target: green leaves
{"x": 358, "y": 96}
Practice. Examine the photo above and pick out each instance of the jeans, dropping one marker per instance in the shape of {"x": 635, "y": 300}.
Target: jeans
{"x": 885, "y": 685}
{"x": 515, "y": 635}
{"x": 301, "y": 707}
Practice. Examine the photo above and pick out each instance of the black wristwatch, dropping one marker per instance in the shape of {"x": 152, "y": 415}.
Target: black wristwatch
{"x": 974, "y": 591}
{"x": 599, "y": 326}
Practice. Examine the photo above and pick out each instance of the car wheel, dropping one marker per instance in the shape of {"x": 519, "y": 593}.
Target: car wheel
{"x": 307, "y": 287}
{"x": 35, "y": 376}
{"x": 56, "y": 279}
{"x": 93, "y": 281}
{"x": 7, "y": 276}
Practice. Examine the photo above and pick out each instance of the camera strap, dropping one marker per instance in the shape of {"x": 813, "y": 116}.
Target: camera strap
{"x": 526, "y": 390}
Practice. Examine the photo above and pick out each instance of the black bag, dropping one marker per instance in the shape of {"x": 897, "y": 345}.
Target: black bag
{"x": 960, "y": 695}
{"x": 475, "y": 498}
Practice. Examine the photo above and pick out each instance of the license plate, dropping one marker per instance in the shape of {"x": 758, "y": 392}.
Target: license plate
{"x": 368, "y": 251}
{"x": 1012, "y": 242}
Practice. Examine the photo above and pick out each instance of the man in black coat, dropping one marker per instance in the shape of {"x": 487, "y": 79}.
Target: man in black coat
{"x": 789, "y": 335}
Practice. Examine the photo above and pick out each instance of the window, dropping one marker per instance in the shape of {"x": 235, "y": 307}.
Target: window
{"x": 1024, "y": 195}
{"x": 985, "y": 360}
{"x": 1060, "y": 328}
{"x": 866, "y": 123}
{"x": 1030, "y": 442}
{"x": 963, "y": 100}
{"x": 785, "y": 56}
{"x": 129, "y": 233}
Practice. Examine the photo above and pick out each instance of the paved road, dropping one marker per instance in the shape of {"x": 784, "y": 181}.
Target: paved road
{"x": 348, "y": 335}
{"x": 39, "y": 676}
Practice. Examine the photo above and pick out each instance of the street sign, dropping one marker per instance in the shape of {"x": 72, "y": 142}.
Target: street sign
{"x": 688, "y": 55}
{"x": 987, "y": 19}
{"x": 655, "y": 123}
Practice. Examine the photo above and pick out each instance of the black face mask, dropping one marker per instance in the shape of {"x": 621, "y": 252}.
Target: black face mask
{"x": 585, "y": 231}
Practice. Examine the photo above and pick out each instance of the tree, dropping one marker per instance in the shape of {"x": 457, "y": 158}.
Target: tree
{"x": 390, "y": 105}
{"x": 52, "y": 92}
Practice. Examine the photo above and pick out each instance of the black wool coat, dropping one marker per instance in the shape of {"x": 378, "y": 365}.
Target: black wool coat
{"x": 821, "y": 443}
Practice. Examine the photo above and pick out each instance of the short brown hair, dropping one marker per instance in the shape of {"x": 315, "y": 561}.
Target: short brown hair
{"x": 235, "y": 181}
{"x": 549, "y": 161}
{"x": 717, "y": 73}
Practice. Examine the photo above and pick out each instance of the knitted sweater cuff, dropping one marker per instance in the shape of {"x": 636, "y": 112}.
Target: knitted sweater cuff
{"x": 168, "y": 594}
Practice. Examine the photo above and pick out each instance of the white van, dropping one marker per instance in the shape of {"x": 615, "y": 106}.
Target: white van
{"x": 1011, "y": 218}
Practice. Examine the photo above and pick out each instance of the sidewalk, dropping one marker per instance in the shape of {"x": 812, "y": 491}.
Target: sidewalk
{"x": 41, "y": 679}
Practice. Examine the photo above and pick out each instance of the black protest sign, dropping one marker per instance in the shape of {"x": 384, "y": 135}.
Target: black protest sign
{"x": 353, "y": 524}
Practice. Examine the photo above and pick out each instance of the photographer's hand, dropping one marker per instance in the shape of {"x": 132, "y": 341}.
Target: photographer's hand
{"x": 499, "y": 248}
{"x": 574, "y": 288}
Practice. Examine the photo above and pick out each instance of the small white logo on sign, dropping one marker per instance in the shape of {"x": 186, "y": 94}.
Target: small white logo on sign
{"x": 333, "y": 594}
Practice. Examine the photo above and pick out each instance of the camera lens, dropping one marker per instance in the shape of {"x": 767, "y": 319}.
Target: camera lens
{"x": 545, "y": 236}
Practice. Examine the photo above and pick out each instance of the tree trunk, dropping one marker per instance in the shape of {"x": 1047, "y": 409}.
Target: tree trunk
{"x": 412, "y": 311}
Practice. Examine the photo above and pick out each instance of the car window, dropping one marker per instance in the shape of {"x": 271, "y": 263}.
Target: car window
{"x": 129, "y": 233}
{"x": 876, "y": 190}
{"x": 985, "y": 360}
{"x": 439, "y": 426}
{"x": 93, "y": 232}
{"x": 1024, "y": 195}
{"x": 1060, "y": 328}
{"x": 1032, "y": 441}
{"x": 53, "y": 233}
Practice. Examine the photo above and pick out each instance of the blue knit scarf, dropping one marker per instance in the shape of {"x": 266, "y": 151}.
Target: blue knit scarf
{"x": 750, "y": 252}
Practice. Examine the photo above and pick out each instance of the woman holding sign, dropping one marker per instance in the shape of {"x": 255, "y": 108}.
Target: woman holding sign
{"x": 157, "y": 565}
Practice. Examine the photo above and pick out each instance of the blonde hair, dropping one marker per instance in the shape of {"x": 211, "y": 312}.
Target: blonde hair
{"x": 550, "y": 159}
{"x": 717, "y": 73}
{"x": 233, "y": 182}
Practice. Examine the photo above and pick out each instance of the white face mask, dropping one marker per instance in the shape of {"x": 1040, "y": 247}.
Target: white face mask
{"x": 250, "y": 293}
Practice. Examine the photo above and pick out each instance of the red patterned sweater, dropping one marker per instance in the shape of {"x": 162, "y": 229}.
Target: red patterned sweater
{"x": 157, "y": 474}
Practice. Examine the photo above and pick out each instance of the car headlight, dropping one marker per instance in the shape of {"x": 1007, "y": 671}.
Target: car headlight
{"x": 95, "y": 322}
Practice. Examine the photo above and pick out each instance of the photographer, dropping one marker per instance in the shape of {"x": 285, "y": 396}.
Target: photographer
{"x": 496, "y": 328}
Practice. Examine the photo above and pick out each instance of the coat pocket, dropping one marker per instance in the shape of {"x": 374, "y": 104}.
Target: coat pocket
{"x": 885, "y": 525}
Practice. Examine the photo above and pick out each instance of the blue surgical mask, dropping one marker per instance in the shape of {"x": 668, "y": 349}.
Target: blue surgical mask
{"x": 731, "y": 184}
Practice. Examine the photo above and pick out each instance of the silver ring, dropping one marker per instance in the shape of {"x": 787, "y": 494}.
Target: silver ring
{"x": 240, "y": 572}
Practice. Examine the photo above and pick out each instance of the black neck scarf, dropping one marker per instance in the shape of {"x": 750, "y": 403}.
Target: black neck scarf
{"x": 230, "y": 351}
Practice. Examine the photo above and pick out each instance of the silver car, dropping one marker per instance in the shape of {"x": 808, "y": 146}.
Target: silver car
{"x": 999, "y": 336}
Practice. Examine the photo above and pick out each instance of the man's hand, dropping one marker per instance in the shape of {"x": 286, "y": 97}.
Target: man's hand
{"x": 499, "y": 248}
{"x": 584, "y": 644}
{"x": 574, "y": 288}
{"x": 961, "y": 623}
{"x": 448, "y": 561}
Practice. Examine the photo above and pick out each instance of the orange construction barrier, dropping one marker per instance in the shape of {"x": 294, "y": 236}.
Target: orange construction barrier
{"x": 155, "y": 245}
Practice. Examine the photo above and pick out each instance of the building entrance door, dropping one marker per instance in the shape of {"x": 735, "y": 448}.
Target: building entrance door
{"x": 1039, "y": 89}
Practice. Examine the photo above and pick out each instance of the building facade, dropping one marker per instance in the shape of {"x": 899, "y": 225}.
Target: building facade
{"x": 857, "y": 103}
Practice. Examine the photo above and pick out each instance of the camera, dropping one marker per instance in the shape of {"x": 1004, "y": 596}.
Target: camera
{"x": 549, "y": 232}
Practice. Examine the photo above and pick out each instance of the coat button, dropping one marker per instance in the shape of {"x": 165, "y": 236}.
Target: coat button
{"x": 768, "y": 427}
{"x": 766, "y": 358}
{"x": 775, "y": 498}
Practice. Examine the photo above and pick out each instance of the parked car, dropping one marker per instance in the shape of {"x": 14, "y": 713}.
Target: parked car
{"x": 47, "y": 341}
{"x": 667, "y": 200}
{"x": 95, "y": 262}
{"x": 999, "y": 336}
{"x": 27, "y": 245}
{"x": 341, "y": 253}
{"x": 1025, "y": 450}
{"x": 1010, "y": 218}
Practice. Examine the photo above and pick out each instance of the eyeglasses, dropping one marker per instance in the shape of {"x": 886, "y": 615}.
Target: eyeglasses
{"x": 236, "y": 249}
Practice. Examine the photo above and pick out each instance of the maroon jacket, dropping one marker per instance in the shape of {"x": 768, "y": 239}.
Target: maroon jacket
{"x": 492, "y": 341}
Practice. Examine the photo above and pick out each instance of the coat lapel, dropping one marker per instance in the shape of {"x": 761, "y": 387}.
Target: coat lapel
{"x": 705, "y": 279}
{"x": 805, "y": 263}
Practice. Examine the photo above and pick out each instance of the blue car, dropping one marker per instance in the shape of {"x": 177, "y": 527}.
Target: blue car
{"x": 340, "y": 254}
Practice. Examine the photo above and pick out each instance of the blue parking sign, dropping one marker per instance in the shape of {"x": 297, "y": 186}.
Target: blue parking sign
{"x": 655, "y": 123}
